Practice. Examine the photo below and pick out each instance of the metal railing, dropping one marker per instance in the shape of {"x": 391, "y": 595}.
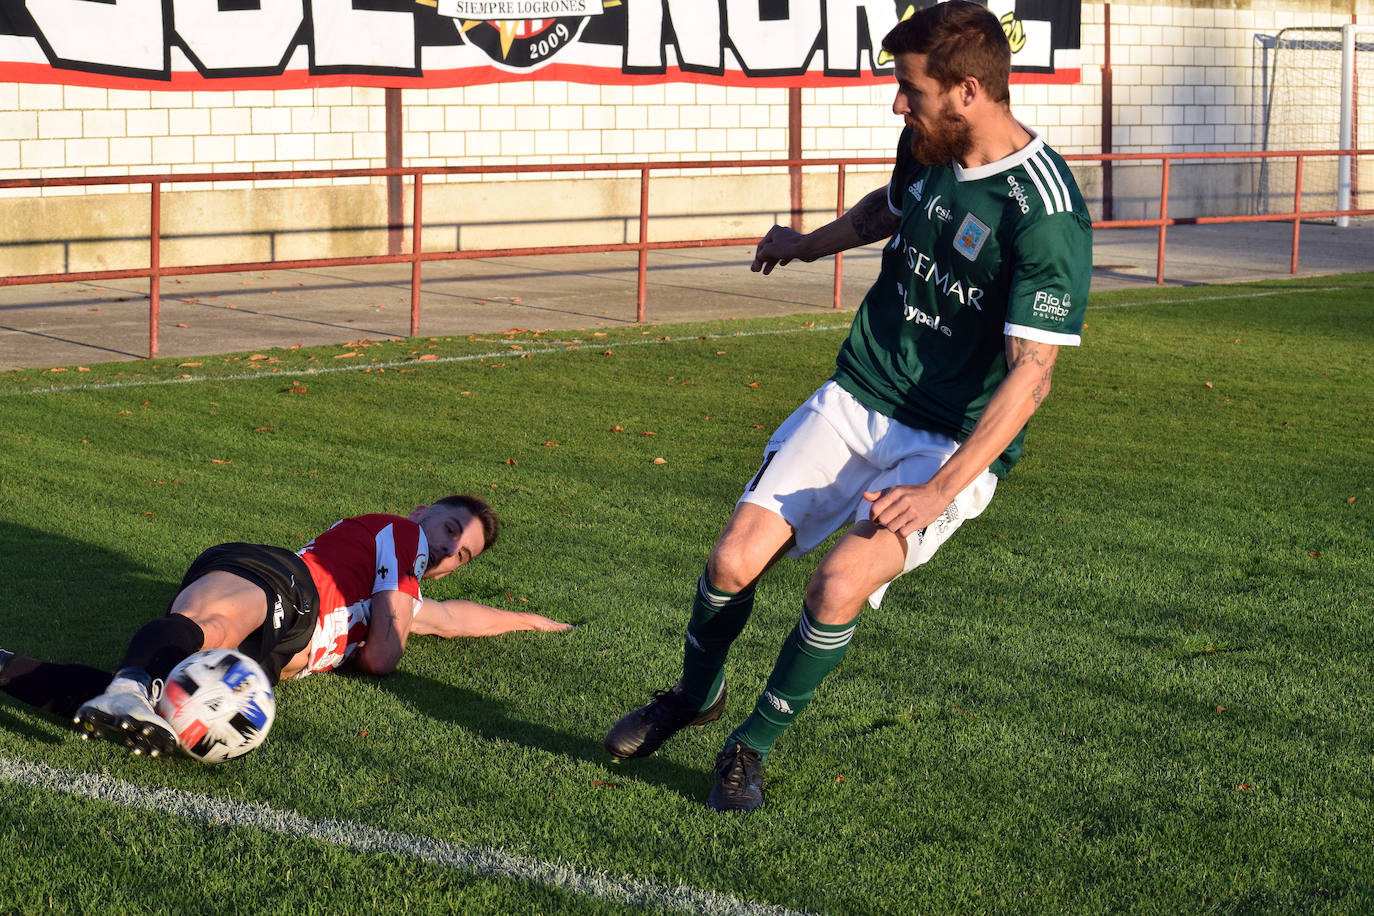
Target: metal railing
{"x": 416, "y": 257}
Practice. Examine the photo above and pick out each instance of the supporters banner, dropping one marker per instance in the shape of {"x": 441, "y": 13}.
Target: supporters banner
{"x": 291, "y": 44}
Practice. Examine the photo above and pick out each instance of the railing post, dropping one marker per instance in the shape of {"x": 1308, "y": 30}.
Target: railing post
{"x": 415, "y": 227}
{"x": 839, "y": 255}
{"x": 1297, "y": 214}
{"x": 154, "y": 268}
{"x": 642, "y": 281}
{"x": 1164, "y": 222}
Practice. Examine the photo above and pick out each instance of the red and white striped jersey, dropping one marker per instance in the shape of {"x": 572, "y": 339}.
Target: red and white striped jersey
{"x": 352, "y": 561}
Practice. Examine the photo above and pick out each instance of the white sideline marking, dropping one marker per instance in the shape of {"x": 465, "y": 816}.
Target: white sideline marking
{"x": 478, "y": 860}
{"x": 552, "y": 347}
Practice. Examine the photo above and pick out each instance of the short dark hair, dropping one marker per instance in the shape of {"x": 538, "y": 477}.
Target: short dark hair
{"x": 491, "y": 524}
{"x": 959, "y": 38}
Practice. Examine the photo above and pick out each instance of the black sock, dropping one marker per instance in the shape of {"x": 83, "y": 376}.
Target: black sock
{"x": 160, "y": 644}
{"x": 58, "y": 689}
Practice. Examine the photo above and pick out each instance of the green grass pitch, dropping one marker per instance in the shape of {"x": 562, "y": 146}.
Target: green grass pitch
{"x": 1139, "y": 683}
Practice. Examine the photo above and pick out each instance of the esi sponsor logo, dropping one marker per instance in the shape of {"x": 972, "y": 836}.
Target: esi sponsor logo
{"x": 1048, "y": 305}
{"x": 1018, "y": 194}
{"x": 934, "y": 211}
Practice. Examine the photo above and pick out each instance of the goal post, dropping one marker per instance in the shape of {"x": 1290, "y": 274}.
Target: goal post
{"x": 1350, "y": 137}
{"x": 1315, "y": 82}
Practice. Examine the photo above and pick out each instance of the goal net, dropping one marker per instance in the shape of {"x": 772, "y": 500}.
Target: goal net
{"x": 1311, "y": 91}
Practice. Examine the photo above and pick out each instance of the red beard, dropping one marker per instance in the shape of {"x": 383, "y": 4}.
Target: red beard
{"x": 948, "y": 141}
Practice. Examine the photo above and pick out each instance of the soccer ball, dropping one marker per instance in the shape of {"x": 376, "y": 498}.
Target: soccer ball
{"x": 220, "y": 704}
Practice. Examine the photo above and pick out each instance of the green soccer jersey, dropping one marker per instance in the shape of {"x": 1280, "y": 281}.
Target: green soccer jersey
{"x": 1001, "y": 250}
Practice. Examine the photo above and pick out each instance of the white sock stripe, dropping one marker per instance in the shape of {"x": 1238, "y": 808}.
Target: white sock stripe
{"x": 822, "y": 640}
{"x": 704, "y": 591}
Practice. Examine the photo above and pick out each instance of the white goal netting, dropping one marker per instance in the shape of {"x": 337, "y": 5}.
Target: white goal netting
{"x": 1301, "y": 105}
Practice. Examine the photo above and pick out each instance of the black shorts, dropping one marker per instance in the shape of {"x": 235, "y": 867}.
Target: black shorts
{"x": 293, "y": 604}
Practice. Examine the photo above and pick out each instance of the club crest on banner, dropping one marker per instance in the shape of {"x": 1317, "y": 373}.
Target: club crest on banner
{"x": 520, "y": 34}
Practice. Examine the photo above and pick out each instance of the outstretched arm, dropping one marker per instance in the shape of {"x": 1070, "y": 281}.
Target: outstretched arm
{"x": 457, "y": 617}
{"x": 1030, "y": 366}
{"x": 870, "y": 220}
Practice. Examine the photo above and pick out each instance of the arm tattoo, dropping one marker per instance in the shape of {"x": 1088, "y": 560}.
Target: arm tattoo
{"x": 1030, "y": 352}
{"x": 871, "y": 217}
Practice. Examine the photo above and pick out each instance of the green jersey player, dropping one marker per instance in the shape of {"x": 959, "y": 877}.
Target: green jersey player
{"x": 984, "y": 279}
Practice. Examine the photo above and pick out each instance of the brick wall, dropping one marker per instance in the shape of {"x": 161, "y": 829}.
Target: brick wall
{"x": 1184, "y": 74}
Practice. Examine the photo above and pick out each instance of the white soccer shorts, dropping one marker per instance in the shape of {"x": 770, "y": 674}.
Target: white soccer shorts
{"x": 830, "y": 450}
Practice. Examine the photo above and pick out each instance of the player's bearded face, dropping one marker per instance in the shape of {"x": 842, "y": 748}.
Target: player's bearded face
{"x": 948, "y": 138}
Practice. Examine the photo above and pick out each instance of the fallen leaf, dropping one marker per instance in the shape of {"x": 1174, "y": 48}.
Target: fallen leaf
{"x": 1351, "y": 499}
{"x": 1221, "y": 709}
{"x": 1314, "y": 553}
{"x": 616, "y": 429}
{"x": 1208, "y": 384}
{"x": 511, "y": 462}
{"x": 221, "y": 460}
{"x": 756, "y": 384}
{"x": 297, "y": 389}
{"x": 1244, "y": 788}
{"x": 606, "y": 353}
{"x": 257, "y": 356}
{"x": 839, "y": 779}
{"x": 82, "y": 369}
{"x": 192, "y": 365}
{"x": 605, "y": 784}
{"x": 346, "y": 355}
{"x": 263, "y": 429}
{"x": 660, "y": 461}
{"x": 648, "y": 432}
{"x": 550, "y": 445}
{"x": 362, "y": 734}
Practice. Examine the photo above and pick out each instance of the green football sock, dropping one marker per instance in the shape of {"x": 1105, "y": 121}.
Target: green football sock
{"x": 808, "y": 654}
{"x": 718, "y": 617}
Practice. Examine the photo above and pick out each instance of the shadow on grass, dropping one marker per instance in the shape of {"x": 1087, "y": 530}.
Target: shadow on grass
{"x": 482, "y": 716}
{"x": 68, "y": 601}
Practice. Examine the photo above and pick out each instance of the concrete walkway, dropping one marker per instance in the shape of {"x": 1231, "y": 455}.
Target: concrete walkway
{"x": 83, "y": 323}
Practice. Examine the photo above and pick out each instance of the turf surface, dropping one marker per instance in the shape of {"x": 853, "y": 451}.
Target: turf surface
{"x": 1139, "y": 683}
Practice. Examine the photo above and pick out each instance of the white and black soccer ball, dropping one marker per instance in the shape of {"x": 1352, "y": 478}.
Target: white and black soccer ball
{"x": 220, "y": 704}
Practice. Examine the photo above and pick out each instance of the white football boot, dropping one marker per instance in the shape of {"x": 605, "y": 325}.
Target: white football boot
{"x": 125, "y": 714}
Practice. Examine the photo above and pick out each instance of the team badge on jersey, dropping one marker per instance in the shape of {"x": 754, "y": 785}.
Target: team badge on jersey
{"x": 969, "y": 240}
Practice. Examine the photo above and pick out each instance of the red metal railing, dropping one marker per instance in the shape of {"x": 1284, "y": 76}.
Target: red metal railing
{"x": 1164, "y": 221}
{"x": 416, "y": 257}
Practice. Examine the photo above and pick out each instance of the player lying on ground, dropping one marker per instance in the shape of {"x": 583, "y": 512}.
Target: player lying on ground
{"x": 985, "y": 277}
{"x": 352, "y": 595}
